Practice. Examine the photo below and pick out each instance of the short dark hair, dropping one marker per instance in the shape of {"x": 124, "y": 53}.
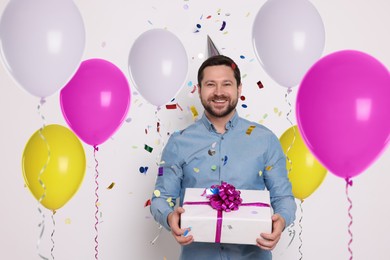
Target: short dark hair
{"x": 219, "y": 60}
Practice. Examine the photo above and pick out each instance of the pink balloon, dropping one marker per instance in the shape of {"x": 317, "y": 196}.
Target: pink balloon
{"x": 95, "y": 101}
{"x": 343, "y": 111}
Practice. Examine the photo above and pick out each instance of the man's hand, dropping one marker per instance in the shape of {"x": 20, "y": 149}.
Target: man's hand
{"x": 269, "y": 241}
{"x": 177, "y": 232}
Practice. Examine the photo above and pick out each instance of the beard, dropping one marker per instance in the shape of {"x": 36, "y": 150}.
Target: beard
{"x": 207, "y": 104}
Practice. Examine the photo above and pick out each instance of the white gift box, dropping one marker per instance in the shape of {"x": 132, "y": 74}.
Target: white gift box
{"x": 242, "y": 226}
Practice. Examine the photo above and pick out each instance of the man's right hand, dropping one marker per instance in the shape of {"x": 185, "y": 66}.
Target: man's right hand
{"x": 177, "y": 232}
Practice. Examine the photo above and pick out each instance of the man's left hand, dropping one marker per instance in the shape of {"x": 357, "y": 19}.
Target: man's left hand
{"x": 269, "y": 241}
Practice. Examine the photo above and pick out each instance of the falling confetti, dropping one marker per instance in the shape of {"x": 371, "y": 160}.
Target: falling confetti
{"x": 242, "y": 98}
{"x": 194, "y": 112}
{"x": 111, "y": 186}
{"x": 223, "y": 26}
{"x": 250, "y": 129}
{"x": 68, "y": 221}
{"x": 147, "y": 203}
{"x": 259, "y": 84}
{"x": 213, "y": 167}
{"x": 244, "y": 106}
{"x": 143, "y": 169}
{"x": 225, "y": 160}
{"x": 160, "y": 171}
{"x": 260, "y": 173}
{"x": 170, "y": 106}
{"x": 268, "y": 168}
{"x": 196, "y": 170}
{"x": 157, "y": 193}
{"x": 148, "y": 148}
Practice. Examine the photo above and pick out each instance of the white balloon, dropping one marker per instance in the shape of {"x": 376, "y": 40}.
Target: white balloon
{"x": 288, "y": 37}
{"x": 42, "y": 43}
{"x": 158, "y": 65}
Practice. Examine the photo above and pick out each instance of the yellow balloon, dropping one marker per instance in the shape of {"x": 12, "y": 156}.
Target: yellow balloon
{"x": 53, "y": 165}
{"x": 306, "y": 173}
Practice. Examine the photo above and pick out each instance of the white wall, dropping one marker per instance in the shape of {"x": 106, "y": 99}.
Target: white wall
{"x": 126, "y": 227}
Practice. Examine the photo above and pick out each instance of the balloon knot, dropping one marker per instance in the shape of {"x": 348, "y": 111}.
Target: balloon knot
{"x": 96, "y": 148}
{"x": 349, "y": 182}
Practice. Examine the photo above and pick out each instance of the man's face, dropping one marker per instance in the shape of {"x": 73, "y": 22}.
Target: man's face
{"x": 219, "y": 91}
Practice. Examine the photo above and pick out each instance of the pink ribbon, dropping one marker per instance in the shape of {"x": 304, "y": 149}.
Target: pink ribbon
{"x": 226, "y": 198}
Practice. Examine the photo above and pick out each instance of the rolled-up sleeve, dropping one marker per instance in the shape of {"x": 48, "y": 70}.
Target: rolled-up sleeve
{"x": 277, "y": 182}
{"x": 168, "y": 183}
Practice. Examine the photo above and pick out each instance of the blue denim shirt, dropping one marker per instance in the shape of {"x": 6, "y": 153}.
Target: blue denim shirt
{"x": 247, "y": 155}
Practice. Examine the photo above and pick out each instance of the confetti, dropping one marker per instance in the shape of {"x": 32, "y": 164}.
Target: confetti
{"x": 143, "y": 169}
{"x": 276, "y": 110}
{"x": 196, "y": 170}
{"x": 160, "y": 171}
{"x": 268, "y": 168}
{"x": 242, "y": 57}
{"x": 68, "y": 221}
{"x": 213, "y": 167}
{"x": 177, "y": 104}
{"x": 211, "y": 152}
{"x": 250, "y": 129}
{"x": 223, "y": 26}
{"x": 242, "y": 98}
{"x": 111, "y": 186}
{"x": 193, "y": 90}
{"x": 147, "y": 203}
{"x": 225, "y": 160}
{"x": 244, "y": 106}
{"x": 186, "y": 231}
{"x": 148, "y": 148}
{"x": 157, "y": 193}
{"x": 170, "y": 106}
{"x": 259, "y": 84}
{"x": 194, "y": 112}
{"x": 260, "y": 173}
{"x": 158, "y": 127}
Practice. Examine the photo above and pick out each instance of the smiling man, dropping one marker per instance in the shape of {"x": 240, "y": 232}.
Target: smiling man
{"x": 222, "y": 146}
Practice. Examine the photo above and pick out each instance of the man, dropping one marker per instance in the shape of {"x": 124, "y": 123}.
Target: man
{"x": 222, "y": 146}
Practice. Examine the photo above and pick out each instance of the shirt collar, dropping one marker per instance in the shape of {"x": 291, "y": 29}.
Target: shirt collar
{"x": 230, "y": 124}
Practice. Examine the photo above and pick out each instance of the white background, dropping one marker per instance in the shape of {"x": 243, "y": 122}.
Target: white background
{"x": 126, "y": 227}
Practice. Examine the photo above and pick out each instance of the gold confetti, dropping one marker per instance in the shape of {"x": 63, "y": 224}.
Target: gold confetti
{"x": 250, "y": 129}
{"x": 111, "y": 186}
{"x": 260, "y": 173}
{"x": 68, "y": 221}
{"x": 194, "y": 112}
{"x": 276, "y": 110}
{"x": 196, "y": 170}
{"x": 268, "y": 168}
{"x": 169, "y": 199}
{"x": 157, "y": 193}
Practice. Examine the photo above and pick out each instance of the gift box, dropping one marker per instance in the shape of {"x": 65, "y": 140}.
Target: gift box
{"x": 241, "y": 226}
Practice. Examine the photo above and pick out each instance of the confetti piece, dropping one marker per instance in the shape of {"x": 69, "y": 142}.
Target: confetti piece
{"x": 194, "y": 89}
{"x": 242, "y": 56}
{"x": 208, "y": 17}
{"x": 157, "y": 193}
{"x": 223, "y": 26}
{"x": 196, "y": 170}
{"x": 147, "y": 203}
{"x": 158, "y": 127}
{"x": 194, "y": 112}
{"x": 170, "y": 106}
{"x": 211, "y": 152}
{"x": 244, "y": 106}
{"x": 268, "y": 168}
{"x": 198, "y": 26}
{"x": 250, "y": 129}
{"x": 276, "y": 110}
{"x": 160, "y": 171}
{"x": 148, "y": 148}
{"x": 68, "y": 221}
{"x": 213, "y": 167}
{"x": 225, "y": 160}
{"x": 111, "y": 186}
{"x": 260, "y": 173}
{"x": 242, "y": 98}
{"x": 128, "y": 120}
{"x": 186, "y": 231}
{"x": 229, "y": 226}
{"x": 265, "y": 116}
{"x": 177, "y": 104}
{"x": 169, "y": 199}
{"x": 171, "y": 204}
{"x": 213, "y": 145}
{"x": 259, "y": 84}
{"x": 143, "y": 169}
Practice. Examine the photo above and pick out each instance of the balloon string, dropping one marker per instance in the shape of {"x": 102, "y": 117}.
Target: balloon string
{"x": 42, "y": 223}
{"x": 52, "y": 234}
{"x": 349, "y": 183}
{"x": 300, "y": 230}
{"x": 161, "y": 139}
{"x": 291, "y": 233}
{"x": 293, "y": 140}
{"x": 96, "y": 202}
{"x": 158, "y": 234}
